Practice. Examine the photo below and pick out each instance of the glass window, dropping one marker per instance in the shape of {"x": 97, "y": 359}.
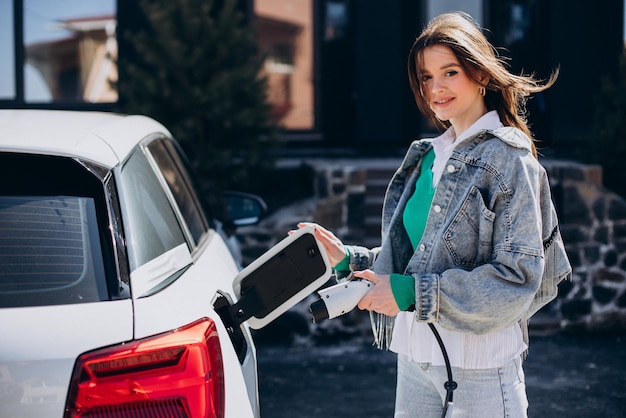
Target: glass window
{"x": 473, "y": 7}
{"x": 522, "y": 31}
{"x": 54, "y": 247}
{"x": 150, "y": 225}
{"x": 336, "y": 20}
{"x": 70, "y": 51}
{"x": 179, "y": 182}
{"x": 7, "y": 58}
{"x": 49, "y": 245}
{"x": 285, "y": 35}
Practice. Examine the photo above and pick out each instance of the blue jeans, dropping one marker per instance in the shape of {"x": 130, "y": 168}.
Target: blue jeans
{"x": 485, "y": 393}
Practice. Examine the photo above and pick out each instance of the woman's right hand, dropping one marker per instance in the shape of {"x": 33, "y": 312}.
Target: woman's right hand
{"x": 333, "y": 245}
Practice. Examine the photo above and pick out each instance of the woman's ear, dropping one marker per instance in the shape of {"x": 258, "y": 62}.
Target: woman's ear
{"x": 484, "y": 80}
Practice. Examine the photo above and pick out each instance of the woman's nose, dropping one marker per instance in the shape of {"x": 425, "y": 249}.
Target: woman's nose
{"x": 437, "y": 84}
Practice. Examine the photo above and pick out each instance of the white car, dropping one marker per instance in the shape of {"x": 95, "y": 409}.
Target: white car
{"x": 119, "y": 296}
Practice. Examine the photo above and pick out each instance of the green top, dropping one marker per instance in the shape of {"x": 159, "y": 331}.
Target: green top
{"x": 414, "y": 217}
{"x": 417, "y": 208}
{"x": 344, "y": 265}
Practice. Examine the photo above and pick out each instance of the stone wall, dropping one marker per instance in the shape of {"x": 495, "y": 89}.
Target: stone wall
{"x": 593, "y": 224}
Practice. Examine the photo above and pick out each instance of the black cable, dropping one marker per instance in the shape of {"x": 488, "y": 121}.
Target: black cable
{"x": 450, "y": 385}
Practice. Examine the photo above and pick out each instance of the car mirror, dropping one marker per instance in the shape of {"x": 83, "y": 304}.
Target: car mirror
{"x": 243, "y": 209}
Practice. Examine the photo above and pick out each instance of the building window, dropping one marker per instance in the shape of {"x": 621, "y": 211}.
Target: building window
{"x": 7, "y": 57}
{"x": 285, "y": 37}
{"x": 472, "y": 7}
{"x": 336, "y": 20}
{"x": 65, "y": 50}
{"x": 71, "y": 50}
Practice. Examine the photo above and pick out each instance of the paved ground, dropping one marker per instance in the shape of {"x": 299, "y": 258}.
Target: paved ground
{"x": 574, "y": 376}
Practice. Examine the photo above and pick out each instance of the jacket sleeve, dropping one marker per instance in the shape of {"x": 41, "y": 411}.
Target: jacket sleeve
{"x": 361, "y": 258}
{"x": 557, "y": 266}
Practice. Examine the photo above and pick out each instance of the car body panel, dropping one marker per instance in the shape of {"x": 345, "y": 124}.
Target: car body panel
{"x": 57, "y": 133}
{"x": 39, "y": 346}
{"x": 105, "y": 138}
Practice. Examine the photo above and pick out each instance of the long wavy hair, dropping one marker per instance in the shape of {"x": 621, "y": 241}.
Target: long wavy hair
{"x": 505, "y": 92}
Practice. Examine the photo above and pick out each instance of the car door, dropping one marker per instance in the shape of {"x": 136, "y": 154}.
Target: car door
{"x": 178, "y": 263}
{"x": 185, "y": 271}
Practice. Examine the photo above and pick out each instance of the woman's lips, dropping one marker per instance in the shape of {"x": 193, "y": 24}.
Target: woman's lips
{"x": 443, "y": 102}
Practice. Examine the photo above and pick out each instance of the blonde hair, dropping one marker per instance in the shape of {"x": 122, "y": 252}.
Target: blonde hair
{"x": 504, "y": 92}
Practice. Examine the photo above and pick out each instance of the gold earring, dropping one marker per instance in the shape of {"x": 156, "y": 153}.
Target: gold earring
{"x": 482, "y": 91}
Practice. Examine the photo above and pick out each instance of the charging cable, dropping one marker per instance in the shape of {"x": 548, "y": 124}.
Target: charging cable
{"x": 342, "y": 297}
{"x": 450, "y": 385}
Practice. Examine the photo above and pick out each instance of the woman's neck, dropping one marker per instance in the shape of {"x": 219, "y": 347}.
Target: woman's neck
{"x": 461, "y": 125}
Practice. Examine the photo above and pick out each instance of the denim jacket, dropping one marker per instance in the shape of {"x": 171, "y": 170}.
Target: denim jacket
{"x": 491, "y": 253}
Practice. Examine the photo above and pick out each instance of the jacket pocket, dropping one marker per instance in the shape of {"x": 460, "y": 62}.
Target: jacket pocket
{"x": 469, "y": 237}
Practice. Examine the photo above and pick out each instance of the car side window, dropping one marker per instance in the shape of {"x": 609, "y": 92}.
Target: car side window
{"x": 179, "y": 182}
{"x": 150, "y": 224}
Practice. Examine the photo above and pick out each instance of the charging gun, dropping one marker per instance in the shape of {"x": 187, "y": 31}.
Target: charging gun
{"x": 338, "y": 299}
{"x": 342, "y": 297}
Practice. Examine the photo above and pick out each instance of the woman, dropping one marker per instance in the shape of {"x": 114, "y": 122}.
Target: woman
{"x": 470, "y": 241}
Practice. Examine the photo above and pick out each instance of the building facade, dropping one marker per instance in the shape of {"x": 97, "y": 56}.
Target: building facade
{"x": 336, "y": 68}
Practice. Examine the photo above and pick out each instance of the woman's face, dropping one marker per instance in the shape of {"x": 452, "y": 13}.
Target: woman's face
{"x": 448, "y": 90}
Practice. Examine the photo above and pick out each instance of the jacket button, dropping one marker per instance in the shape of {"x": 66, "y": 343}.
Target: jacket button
{"x": 450, "y": 168}
{"x": 437, "y": 208}
{"x": 422, "y": 247}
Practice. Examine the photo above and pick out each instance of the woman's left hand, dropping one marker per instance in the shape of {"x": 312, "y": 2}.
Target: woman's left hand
{"x": 380, "y": 299}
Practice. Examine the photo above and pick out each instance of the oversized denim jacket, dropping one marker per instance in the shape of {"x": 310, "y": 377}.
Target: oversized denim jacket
{"x": 491, "y": 253}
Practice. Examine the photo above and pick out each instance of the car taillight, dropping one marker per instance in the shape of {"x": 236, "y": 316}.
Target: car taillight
{"x": 176, "y": 374}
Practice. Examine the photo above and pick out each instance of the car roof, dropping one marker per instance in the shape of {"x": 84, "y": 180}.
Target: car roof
{"x": 101, "y": 137}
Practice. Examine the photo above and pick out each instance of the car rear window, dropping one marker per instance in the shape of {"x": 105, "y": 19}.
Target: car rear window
{"x": 51, "y": 246}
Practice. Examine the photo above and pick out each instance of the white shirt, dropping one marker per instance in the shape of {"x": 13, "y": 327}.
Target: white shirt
{"x": 469, "y": 351}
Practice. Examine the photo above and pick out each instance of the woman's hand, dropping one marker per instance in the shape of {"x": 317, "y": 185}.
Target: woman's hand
{"x": 333, "y": 245}
{"x": 380, "y": 299}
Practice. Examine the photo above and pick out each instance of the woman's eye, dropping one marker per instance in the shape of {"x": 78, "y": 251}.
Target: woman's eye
{"x": 425, "y": 78}
{"x": 451, "y": 73}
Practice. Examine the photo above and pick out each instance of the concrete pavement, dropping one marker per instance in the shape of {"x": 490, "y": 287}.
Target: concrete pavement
{"x": 567, "y": 375}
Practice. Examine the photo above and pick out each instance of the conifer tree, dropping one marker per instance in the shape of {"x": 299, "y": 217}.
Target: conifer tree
{"x": 194, "y": 68}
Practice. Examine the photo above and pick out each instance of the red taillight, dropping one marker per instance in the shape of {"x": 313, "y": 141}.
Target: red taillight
{"x": 177, "y": 374}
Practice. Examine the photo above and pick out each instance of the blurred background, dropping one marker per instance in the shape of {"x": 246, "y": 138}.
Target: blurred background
{"x": 307, "y": 104}
{"x": 335, "y": 69}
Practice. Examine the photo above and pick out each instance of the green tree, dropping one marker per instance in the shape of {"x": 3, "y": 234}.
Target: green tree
{"x": 193, "y": 67}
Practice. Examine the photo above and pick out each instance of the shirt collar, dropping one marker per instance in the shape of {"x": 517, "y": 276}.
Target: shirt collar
{"x": 448, "y": 139}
